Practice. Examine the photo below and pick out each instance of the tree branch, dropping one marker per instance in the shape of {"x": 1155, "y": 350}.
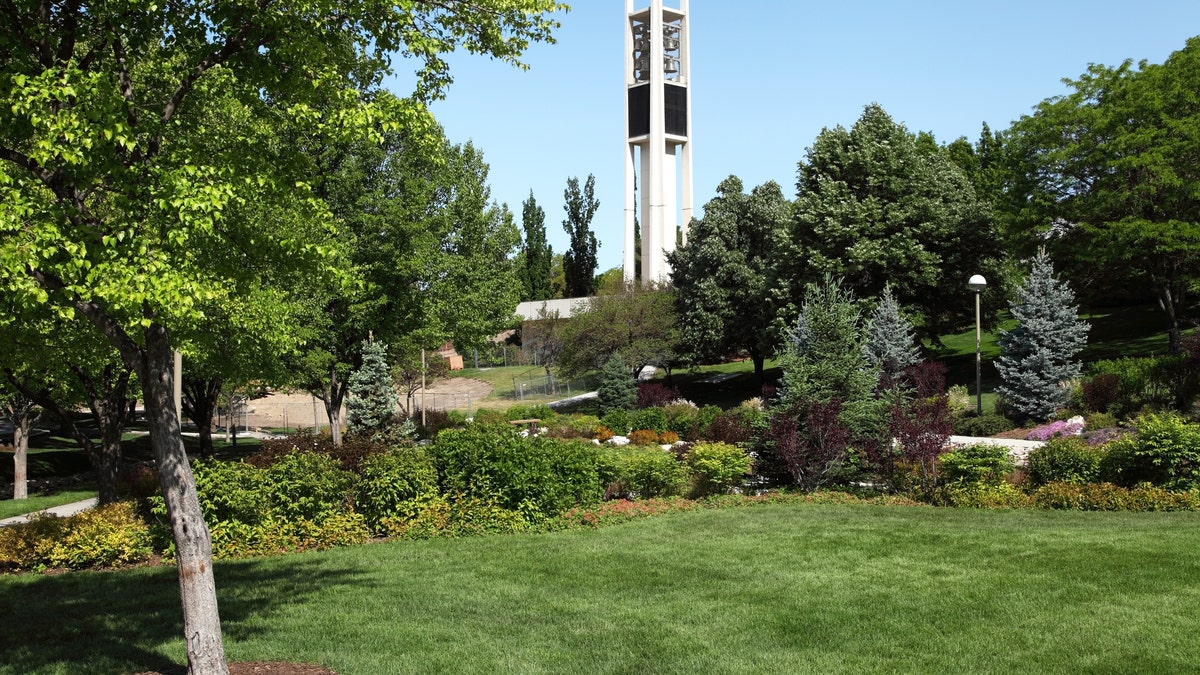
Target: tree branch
{"x": 131, "y": 352}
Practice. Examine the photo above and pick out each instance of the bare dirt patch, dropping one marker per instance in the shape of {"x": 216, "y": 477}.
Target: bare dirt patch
{"x": 281, "y": 409}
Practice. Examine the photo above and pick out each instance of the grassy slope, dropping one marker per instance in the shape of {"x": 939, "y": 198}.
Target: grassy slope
{"x": 770, "y": 589}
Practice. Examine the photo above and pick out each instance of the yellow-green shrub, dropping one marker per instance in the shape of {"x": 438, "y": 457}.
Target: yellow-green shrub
{"x": 717, "y": 467}
{"x": 985, "y": 495}
{"x": 109, "y": 535}
{"x": 439, "y": 516}
{"x": 1109, "y": 497}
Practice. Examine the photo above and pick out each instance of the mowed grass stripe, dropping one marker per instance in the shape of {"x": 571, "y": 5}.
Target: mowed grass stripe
{"x": 765, "y": 589}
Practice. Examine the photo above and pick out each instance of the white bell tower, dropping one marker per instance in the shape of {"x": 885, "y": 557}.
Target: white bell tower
{"x": 659, "y": 129}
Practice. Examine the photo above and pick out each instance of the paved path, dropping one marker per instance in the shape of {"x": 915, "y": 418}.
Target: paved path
{"x": 62, "y": 511}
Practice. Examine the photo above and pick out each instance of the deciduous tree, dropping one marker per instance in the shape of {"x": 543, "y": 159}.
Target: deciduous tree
{"x": 579, "y": 260}
{"x": 724, "y": 275}
{"x": 128, "y": 133}
{"x": 1107, "y": 176}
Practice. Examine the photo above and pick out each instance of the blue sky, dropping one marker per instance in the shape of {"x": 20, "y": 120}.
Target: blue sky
{"x": 768, "y": 75}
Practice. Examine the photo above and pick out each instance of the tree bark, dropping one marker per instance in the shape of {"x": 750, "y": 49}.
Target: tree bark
{"x": 333, "y": 398}
{"x": 20, "y": 410}
{"x": 193, "y": 547}
{"x": 21, "y": 427}
{"x": 108, "y": 400}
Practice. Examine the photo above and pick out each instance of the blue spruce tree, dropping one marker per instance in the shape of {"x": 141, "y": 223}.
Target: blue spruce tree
{"x": 891, "y": 344}
{"x": 1037, "y": 358}
{"x": 372, "y": 401}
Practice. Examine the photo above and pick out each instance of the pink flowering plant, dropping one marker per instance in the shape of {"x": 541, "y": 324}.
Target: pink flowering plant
{"x": 1054, "y": 430}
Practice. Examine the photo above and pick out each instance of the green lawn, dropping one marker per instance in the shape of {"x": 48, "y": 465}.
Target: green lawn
{"x": 790, "y": 589}
{"x": 12, "y": 507}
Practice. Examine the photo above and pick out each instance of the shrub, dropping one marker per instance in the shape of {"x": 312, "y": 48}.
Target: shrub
{"x": 617, "y": 420}
{"x": 349, "y": 455}
{"x": 959, "y": 400}
{"x": 995, "y": 495}
{"x": 1066, "y": 460}
{"x": 489, "y": 417}
{"x": 651, "y": 472}
{"x": 497, "y": 464}
{"x": 1109, "y": 497}
{"x": 982, "y": 426}
{"x": 1097, "y": 421}
{"x": 668, "y": 438}
{"x": 717, "y": 467}
{"x": 574, "y": 426}
{"x": 1101, "y": 393}
{"x": 438, "y": 516}
{"x": 603, "y": 434}
{"x": 309, "y": 486}
{"x": 539, "y": 411}
{"x": 982, "y": 463}
{"x": 812, "y": 444}
{"x": 436, "y": 421}
{"x": 655, "y": 395}
{"x": 137, "y": 481}
{"x": 231, "y": 491}
{"x": 392, "y": 478}
{"x": 704, "y": 419}
{"x": 1165, "y": 451}
{"x": 108, "y": 535}
{"x": 732, "y": 426}
{"x": 654, "y": 419}
{"x": 643, "y": 437}
{"x": 683, "y": 418}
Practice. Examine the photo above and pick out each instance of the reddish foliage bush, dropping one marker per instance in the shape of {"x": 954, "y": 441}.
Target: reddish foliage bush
{"x": 814, "y": 451}
{"x": 353, "y": 451}
{"x": 1101, "y": 392}
{"x": 731, "y": 426}
{"x": 655, "y": 395}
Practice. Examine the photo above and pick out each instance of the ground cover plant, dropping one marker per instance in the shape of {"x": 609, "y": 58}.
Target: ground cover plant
{"x": 769, "y": 589}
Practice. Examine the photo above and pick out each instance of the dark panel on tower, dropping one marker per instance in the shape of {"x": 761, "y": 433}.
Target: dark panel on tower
{"x": 675, "y": 100}
{"x": 639, "y": 110}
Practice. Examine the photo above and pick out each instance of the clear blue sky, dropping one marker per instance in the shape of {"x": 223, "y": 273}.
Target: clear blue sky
{"x": 768, "y": 75}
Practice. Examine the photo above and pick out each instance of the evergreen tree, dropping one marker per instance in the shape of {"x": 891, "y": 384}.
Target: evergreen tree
{"x": 372, "y": 401}
{"x": 537, "y": 254}
{"x": 878, "y": 204}
{"x": 618, "y": 389}
{"x": 824, "y": 358}
{"x": 891, "y": 344}
{"x": 579, "y": 262}
{"x": 1037, "y": 357}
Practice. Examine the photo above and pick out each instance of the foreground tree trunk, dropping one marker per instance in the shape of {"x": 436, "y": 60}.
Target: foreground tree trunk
{"x": 193, "y": 547}
{"x": 333, "y": 397}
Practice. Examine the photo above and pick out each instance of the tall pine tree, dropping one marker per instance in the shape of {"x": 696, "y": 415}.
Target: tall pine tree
{"x": 1037, "y": 358}
{"x": 537, "y": 253}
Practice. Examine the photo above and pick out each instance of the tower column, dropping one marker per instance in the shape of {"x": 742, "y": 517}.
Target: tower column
{"x": 657, "y": 124}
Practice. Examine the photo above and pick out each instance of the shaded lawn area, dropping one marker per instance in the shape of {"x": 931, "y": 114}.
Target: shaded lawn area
{"x": 767, "y": 589}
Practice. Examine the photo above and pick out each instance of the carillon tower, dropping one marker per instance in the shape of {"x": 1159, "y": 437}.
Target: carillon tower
{"x": 658, "y": 129}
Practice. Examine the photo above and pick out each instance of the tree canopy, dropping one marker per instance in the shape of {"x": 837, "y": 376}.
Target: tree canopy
{"x": 724, "y": 275}
{"x": 878, "y": 205}
{"x": 579, "y": 260}
{"x": 1106, "y": 174}
{"x": 130, "y": 137}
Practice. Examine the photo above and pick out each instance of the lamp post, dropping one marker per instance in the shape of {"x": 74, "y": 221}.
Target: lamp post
{"x": 977, "y": 283}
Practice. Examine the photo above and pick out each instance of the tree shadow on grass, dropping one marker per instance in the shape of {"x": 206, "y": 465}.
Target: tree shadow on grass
{"x": 130, "y": 621}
